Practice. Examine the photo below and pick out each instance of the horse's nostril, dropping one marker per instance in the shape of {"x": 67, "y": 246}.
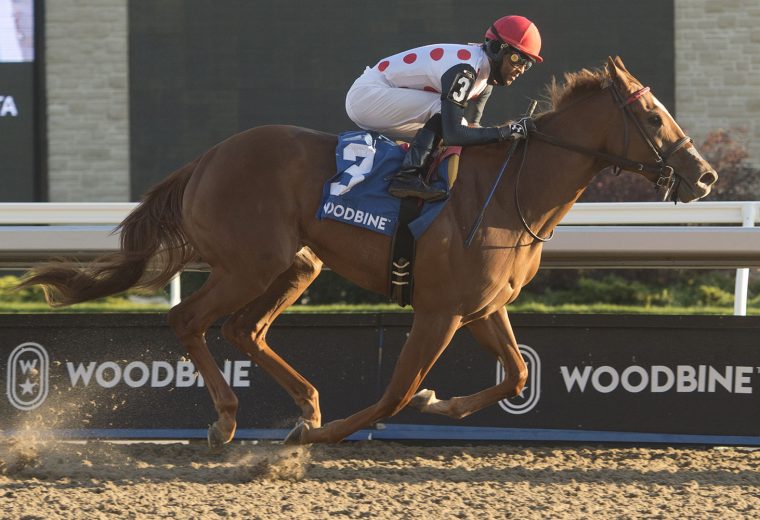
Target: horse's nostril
{"x": 708, "y": 178}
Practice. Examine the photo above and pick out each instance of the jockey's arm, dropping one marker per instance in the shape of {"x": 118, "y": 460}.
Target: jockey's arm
{"x": 475, "y": 107}
{"x": 456, "y": 84}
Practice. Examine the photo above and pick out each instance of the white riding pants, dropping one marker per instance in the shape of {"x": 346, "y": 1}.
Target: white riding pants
{"x": 373, "y": 104}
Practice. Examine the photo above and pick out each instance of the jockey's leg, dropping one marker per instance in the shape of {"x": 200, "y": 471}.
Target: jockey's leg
{"x": 409, "y": 181}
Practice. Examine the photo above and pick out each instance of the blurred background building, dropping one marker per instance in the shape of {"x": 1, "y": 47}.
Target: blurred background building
{"x": 121, "y": 92}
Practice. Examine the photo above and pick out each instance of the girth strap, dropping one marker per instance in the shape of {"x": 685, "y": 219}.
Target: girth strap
{"x": 402, "y": 253}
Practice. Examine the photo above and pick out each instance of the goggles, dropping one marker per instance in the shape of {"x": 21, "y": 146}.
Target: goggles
{"x": 517, "y": 58}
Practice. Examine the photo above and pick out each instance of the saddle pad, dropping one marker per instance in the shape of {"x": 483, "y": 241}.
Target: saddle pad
{"x": 358, "y": 193}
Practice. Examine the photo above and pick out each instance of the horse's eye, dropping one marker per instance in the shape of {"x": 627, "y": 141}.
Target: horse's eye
{"x": 655, "y": 120}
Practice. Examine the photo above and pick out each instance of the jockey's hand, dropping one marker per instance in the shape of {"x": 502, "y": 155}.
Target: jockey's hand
{"x": 517, "y": 129}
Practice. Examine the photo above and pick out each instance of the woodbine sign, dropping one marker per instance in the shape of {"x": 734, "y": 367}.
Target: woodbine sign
{"x": 593, "y": 378}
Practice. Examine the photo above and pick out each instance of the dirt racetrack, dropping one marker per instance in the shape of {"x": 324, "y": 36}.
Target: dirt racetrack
{"x": 53, "y": 479}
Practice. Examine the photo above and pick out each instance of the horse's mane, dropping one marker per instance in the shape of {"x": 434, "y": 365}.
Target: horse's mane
{"x": 575, "y": 86}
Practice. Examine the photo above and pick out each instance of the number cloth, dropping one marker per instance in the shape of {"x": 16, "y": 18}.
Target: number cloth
{"x": 358, "y": 193}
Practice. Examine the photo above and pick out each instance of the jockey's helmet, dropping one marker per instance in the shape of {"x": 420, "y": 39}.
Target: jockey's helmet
{"x": 517, "y": 32}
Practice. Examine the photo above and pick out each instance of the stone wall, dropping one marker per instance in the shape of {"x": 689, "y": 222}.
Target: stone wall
{"x": 718, "y": 68}
{"x": 87, "y": 100}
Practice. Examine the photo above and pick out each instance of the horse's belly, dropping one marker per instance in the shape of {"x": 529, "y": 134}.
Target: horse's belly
{"x": 336, "y": 244}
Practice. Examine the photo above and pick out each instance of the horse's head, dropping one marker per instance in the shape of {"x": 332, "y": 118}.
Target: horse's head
{"x": 657, "y": 148}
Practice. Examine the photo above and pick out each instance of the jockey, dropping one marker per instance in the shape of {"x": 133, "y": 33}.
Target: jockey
{"x": 438, "y": 92}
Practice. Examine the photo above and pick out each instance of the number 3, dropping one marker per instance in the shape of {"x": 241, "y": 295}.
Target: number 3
{"x": 460, "y": 88}
{"x": 460, "y": 94}
{"x": 358, "y": 171}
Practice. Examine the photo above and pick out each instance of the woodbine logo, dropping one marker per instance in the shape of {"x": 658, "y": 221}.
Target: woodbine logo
{"x": 356, "y": 215}
{"x": 28, "y": 376}
{"x": 660, "y": 378}
{"x": 28, "y": 373}
{"x": 531, "y": 393}
{"x": 154, "y": 374}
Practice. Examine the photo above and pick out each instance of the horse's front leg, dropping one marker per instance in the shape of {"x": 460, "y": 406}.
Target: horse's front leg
{"x": 429, "y": 337}
{"x": 495, "y": 333}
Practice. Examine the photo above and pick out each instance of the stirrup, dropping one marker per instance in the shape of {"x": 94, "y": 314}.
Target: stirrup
{"x": 409, "y": 185}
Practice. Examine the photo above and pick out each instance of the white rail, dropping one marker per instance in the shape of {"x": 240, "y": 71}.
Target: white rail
{"x": 662, "y": 213}
{"x": 596, "y": 213}
{"x": 21, "y": 213}
{"x": 658, "y": 234}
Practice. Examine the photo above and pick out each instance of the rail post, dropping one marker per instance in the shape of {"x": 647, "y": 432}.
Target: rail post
{"x": 742, "y": 274}
{"x": 175, "y": 290}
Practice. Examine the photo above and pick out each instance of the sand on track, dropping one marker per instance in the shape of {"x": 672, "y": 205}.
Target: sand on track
{"x": 54, "y": 479}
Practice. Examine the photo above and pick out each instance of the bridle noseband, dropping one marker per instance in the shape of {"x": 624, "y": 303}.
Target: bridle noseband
{"x": 667, "y": 178}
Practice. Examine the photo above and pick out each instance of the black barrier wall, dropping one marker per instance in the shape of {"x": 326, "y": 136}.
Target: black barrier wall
{"x": 669, "y": 378}
{"x": 201, "y": 71}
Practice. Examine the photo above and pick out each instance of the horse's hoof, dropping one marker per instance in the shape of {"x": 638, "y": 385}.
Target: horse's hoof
{"x": 423, "y": 399}
{"x": 296, "y": 435}
{"x": 215, "y": 437}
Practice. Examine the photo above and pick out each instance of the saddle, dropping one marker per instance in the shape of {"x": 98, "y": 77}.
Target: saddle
{"x": 358, "y": 195}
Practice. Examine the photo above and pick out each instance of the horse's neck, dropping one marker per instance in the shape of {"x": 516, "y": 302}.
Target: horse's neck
{"x": 548, "y": 192}
{"x": 554, "y": 178}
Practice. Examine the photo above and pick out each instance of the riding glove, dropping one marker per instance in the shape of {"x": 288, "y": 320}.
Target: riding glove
{"x": 517, "y": 129}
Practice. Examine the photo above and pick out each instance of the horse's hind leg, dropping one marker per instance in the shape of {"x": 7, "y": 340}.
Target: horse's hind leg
{"x": 247, "y": 329}
{"x": 221, "y": 294}
{"x": 495, "y": 333}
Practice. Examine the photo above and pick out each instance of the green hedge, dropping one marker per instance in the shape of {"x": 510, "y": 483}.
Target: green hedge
{"x": 676, "y": 292}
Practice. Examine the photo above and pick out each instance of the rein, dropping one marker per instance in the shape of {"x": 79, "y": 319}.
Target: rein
{"x": 517, "y": 201}
{"x": 666, "y": 176}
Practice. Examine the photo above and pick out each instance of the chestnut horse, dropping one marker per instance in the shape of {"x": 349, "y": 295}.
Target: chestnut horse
{"x": 247, "y": 208}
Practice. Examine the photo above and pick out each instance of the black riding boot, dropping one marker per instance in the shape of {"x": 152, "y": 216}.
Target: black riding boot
{"x": 409, "y": 182}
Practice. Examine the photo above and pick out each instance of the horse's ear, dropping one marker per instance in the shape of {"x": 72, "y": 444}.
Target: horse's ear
{"x": 617, "y": 71}
{"x": 612, "y": 69}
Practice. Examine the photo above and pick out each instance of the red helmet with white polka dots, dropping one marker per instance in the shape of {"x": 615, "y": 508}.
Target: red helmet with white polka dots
{"x": 519, "y": 32}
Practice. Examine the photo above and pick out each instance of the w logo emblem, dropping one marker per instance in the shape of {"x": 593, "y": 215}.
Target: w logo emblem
{"x": 530, "y": 395}
{"x": 28, "y": 374}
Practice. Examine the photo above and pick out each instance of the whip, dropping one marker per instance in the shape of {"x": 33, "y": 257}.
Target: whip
{"x": 512, "y": 148}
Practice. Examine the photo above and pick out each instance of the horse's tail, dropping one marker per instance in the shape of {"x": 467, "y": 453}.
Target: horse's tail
{"x": 152, "y": 229}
